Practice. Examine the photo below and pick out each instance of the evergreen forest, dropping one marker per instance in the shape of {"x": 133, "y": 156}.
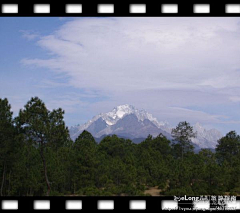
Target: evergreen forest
{"x": 38, "y": 158}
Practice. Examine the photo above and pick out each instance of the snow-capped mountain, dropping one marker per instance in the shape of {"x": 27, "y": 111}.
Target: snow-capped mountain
{"x": 206, "y": 138}
{"x": 106, "y": 123}
{"x": 119, "y": 112}
{"x": 127, "y": 121}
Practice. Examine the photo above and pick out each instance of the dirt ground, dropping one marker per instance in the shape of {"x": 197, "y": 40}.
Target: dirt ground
{"x": 153, "y": 191}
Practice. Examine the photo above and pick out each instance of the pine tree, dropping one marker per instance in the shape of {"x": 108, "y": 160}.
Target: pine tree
{"x": 7, "y": 138}
{"x": 182, "y": 134}
{"x": 85, "y": 161}
{"x": 43, "y": 129}
{"x": 228, "y": 147}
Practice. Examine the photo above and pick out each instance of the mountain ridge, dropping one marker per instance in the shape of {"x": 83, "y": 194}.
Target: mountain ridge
{"x": 127, "y": 121}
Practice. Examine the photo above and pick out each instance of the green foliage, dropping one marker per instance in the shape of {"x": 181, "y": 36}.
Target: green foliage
{"x": 43, "y": 129}
{"x": 182, "y": 134}
{"x": 84, "y": 162}
{"x": 228, "y": 148}
{"x": 37, "y": 157}
{"x": 7, "y": 144}
{"x": 180, "y": 191}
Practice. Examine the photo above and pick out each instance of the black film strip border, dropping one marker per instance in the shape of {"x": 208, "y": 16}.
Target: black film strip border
{"x": 153, "y": 204}
{"x": 88, "y": 203}
{"x": 121, "y": 9}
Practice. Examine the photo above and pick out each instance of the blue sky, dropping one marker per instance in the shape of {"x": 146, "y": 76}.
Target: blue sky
{"x": 175, "y": 68}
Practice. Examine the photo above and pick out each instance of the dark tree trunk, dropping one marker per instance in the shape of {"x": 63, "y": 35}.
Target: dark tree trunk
{"x": 9, "y": 184}
{"x": 45, "y": 171}
{"x": 3, "y": 179}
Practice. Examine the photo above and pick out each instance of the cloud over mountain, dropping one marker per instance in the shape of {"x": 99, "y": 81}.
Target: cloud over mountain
{"x": 185, "y": 67}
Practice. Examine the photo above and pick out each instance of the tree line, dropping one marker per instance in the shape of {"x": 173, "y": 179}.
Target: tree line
{"x": 38, "y": 158}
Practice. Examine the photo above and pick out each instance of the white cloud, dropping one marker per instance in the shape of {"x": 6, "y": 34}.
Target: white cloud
{"x": 193, "y": 115}
{"x": 29, "y": 35}
{"x": 185, "y": 60}
{"x": 235, "y": 98}
{"x": 142, "y": 53}
{"x": 68, "y": 103}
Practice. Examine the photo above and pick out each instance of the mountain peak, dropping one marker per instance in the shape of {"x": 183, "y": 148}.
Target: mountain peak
{"x": 119, "y": 112}
{"x": 198, "y": 124}
{"x": 122, "y": 110}
{"x": 127, "y": 120}
{"x": 205, "y": 136}
{"x": 199, "y": 127}
{"x": 124, "y": 106}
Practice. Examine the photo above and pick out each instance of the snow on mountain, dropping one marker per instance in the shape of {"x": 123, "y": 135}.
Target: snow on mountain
{"x": 119, "y": 112}
{"x": 127, "y": 121}
{"x": 107, "y": 122}
{"x": 206, "y": 138}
